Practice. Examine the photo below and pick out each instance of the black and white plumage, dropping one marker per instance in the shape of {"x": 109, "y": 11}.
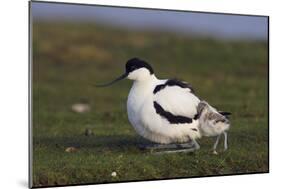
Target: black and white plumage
{"x": 162, "y": 111}
{"x": 213, "y": 123}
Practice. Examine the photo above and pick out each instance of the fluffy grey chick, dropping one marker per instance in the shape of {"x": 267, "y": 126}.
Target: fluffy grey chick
{"x": 213, "y": 123}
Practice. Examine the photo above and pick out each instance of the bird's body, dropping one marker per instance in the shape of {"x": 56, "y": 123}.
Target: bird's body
{"x": 165, "y": 111}
{"x": 158, "y": 111}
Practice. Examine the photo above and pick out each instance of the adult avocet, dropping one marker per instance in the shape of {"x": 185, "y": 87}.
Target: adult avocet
{"x": 162, "y": 111}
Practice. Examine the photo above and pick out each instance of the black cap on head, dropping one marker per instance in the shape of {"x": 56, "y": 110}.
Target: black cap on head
{"x": 135, "y": 63}
{"x": 131, "y": 65}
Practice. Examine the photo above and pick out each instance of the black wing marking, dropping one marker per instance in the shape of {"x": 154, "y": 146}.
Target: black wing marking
{"x": 173, "y": 119}
{"x": 225, "y": 113}
{"x": 196, "y": 116}
{"x": 158, "y": 88}
{"x": 173, "y": 82}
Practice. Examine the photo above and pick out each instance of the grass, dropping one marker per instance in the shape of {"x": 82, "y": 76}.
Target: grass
{"x": 68, "y": 59}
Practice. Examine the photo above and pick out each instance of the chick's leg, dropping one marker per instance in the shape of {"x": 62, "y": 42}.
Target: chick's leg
{"x": 216, "y": 144}
{"x": 225, "y": 141}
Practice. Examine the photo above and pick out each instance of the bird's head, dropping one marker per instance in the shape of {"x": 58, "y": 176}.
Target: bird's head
{"x": 135, "y": 69}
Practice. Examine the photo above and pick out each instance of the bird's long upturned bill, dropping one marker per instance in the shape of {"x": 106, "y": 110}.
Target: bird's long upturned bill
{"x": 114, "y": 81}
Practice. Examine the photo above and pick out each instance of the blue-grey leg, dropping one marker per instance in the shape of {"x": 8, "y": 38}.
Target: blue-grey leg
{"x": 225, "y": 141}
{"x": 176, "y": 151}
{"x": 172, "y": 148}
{"x": 196, "y": 145}
{"x": 216, "y": 144}
{"x": 166, "y": 146}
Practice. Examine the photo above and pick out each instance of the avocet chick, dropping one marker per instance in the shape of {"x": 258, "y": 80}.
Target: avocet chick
{"x": 213, "y": 123}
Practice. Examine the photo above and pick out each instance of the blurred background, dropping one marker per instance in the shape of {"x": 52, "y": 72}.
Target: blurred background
{"x": 81, "y": 133}
{"x": 187, "y": 23}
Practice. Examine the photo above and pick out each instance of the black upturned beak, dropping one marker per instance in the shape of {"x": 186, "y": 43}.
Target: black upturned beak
{"x": 114, "y": 81}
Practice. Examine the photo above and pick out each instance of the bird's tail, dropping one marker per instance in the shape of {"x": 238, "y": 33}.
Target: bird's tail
{"x": 226, "y": 114}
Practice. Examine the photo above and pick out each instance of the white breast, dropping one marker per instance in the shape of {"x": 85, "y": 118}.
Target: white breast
{"x": 139, "y": 93}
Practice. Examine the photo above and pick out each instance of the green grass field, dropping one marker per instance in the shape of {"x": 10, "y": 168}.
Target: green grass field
{"x": 68, "y": 59}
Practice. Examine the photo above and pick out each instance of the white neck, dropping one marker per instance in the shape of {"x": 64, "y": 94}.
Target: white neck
{"x": 144, "y": 86}
{"x": 146, "y": 79}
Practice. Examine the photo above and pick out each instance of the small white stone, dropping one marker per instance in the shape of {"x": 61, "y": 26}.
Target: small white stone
{"x": 80, "y": 108}
{"x": 114, "y": 174}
